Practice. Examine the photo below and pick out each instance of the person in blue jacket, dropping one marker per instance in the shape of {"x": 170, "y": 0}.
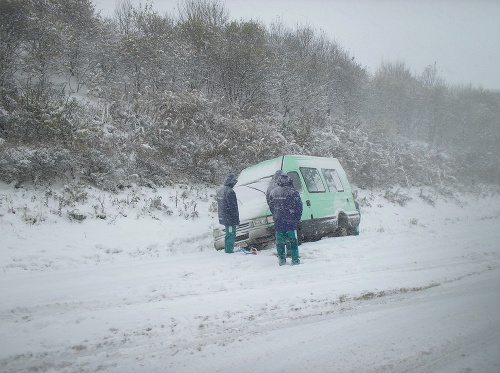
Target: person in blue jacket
{"x": 273, "y": 184}
{"x": 286, "y": 207}
{"x": 227, "y": 207}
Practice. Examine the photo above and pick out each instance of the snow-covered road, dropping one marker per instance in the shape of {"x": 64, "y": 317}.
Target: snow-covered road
{"x": 417, "y": 291}
{"x": 450, "y": 328}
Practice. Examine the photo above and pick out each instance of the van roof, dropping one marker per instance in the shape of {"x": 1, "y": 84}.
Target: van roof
{"x": 269, "y": 167}
{"x": 260, "y": 171}
{"x": 311, "y": 161}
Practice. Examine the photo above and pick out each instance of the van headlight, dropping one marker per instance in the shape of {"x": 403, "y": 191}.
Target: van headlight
{"x": 263, "y": 220}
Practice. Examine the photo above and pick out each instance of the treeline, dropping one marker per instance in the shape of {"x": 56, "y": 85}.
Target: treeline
{"x": 152, "y": 99}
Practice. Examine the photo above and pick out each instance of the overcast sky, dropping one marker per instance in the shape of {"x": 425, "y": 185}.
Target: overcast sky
{"x": 461, "y": 36}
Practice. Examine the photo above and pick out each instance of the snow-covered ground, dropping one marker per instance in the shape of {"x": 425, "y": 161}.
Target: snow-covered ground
{"x": 137, "y": 287}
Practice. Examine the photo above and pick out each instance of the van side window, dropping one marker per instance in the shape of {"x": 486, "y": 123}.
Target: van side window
{"x": 296, "y": 181}
{"x": 333, "y": 180}
{"x": 312, "y": 180}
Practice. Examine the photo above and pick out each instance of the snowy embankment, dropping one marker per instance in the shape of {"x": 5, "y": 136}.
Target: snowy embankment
{"x": 137, "y": 287}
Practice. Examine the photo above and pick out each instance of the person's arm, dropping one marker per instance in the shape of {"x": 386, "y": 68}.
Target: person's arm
{"x": 298, "y": 206}
{"x": 233, "y": 203}
{"x": 270, "y": 202}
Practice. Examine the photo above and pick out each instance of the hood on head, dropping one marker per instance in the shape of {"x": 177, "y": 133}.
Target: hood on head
{"x": 231, "y": 180}
{"x": 285, "y": 180}
{"x": 277, "y": 174}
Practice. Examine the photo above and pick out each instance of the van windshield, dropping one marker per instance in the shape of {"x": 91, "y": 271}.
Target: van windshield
{"x": 260, "y": 185}
{"x": 251, "y": 203}
{"x": 259, "y": 171}
{"x": 252, "y": 199}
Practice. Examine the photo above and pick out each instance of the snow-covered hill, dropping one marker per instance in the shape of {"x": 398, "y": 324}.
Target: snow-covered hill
{"x": 131, "y": 283}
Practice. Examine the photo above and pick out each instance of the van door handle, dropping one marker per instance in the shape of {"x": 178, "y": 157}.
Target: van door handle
{"x": 308, "y": 203}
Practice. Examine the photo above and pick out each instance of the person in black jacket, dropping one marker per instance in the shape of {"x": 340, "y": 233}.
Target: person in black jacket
{"x": 228, "y": 211}
{"x": 286, "y": 207}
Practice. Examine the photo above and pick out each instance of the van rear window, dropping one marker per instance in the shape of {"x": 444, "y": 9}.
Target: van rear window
{"x": 312, "y": 179}
{"x": 333, "y": 180}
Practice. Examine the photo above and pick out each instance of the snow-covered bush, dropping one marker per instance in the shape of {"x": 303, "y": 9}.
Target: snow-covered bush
{"x": 34, "y": 165}
{"x": 186, "y": 136}
{"x": 151, "y": 100}
{"x": 384, "y": 162}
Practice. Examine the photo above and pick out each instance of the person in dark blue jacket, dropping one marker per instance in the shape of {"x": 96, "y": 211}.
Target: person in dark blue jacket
{"x": 228, "y": 211}
{"x": 273, "y": 184}
{"x": 286, "y": 207}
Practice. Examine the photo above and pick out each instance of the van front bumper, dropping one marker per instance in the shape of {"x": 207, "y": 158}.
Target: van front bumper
{"x": 247, "y": 234}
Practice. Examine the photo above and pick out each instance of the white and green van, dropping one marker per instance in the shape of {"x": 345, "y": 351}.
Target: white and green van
{"x": 329, "y": 207}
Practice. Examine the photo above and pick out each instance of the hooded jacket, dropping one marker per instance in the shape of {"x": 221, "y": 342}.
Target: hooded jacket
{"x": 227, "y": 204}
{"x": 285, "y": 205}
{"x": 273, "y": 184}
